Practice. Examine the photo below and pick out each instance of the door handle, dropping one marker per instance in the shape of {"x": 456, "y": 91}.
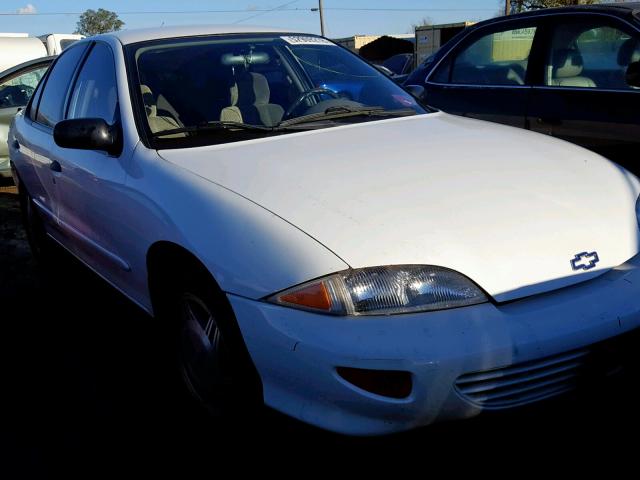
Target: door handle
{"x": 549, "y": 121}
{"x": 55, "y": 166}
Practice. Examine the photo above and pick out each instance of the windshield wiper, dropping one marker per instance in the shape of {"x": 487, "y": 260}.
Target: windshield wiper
{"x": 345, "y": 112}
{"x": 212, "y": 126}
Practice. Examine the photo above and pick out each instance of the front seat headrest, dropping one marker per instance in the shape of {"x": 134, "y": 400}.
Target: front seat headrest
{"x": 148, "y": 100}
{"x": 250, "y": 89}
{"x": 629, "y": 52}
{"x": 567, "y": 63}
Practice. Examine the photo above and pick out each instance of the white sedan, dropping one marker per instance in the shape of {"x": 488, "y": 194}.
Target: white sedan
{"x": 316, "y": 238}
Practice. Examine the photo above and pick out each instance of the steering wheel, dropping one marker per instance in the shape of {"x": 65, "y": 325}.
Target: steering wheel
{"x": 15, "y": 95}
{"x": 304, "y": 95}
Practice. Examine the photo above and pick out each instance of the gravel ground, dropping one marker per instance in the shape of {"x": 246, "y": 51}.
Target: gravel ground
{"x": 84, "y": 392}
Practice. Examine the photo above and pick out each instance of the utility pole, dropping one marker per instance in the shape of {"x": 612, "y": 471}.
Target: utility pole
{"x": 321, "y": 10}
{"x": 507, "y": 7}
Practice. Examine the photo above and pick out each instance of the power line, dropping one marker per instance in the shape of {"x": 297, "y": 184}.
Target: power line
{"x": 279, "y": 7}
{"x": 259, "y": 11}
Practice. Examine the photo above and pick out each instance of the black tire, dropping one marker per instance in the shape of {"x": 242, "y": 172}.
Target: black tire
{"x": 40, "y": 244}
{"x": 221, "y": 377}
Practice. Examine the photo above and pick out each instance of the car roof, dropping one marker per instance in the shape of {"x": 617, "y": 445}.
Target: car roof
{"x": 28, "y": 63}
{"x": 630, "y": 9}
{"x": 143, "y": 34}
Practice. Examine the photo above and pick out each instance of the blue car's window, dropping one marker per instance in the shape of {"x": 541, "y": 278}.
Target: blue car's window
{"x": 262, "y": 80}
{"x": 590, "y": 53}
{"x": 498, "y": 58}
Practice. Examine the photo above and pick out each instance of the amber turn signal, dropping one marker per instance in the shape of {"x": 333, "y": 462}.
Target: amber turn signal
{"x": 313, "y": 296}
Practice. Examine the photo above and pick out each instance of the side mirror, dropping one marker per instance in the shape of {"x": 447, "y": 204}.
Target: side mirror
{"x": 415, "y": 90}
{"x": 88, "y": 134}
{"x": 633, "y": 74}
{"x": 384, "y": 70}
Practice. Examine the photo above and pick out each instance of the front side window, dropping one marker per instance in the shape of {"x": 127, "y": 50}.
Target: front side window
{"x": 398, "y": 64}
{"x": 67, "y": 43}
{"x": 189, "y": 87}
{"x": 17, "y": 90}
{"x": 590, "y": 54}
{"x": 51, "y": 104}
{"x": 95, "y": 94}
{"x": 499, "y": 58}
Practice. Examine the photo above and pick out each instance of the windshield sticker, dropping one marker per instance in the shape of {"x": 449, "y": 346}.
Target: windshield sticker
{"x": 306, "y": 40}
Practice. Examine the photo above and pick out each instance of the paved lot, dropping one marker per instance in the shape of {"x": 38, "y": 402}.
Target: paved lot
{"x": 84, "y": 385}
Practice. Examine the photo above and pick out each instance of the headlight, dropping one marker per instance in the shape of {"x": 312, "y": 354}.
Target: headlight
{"x": 383, "y": 291}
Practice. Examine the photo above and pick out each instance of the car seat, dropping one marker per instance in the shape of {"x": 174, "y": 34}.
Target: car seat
{"x": 567, "y": 69}
{"x": 629, "y": 53}
{"x": 250, "y": 96}
{"x": 158, "y": 123}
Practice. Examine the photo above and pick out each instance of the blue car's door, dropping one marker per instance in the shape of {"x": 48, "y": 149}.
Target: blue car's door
{"x": 486, "y": 75}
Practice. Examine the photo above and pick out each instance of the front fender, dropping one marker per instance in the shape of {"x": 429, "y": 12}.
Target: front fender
{"x": 249, "y": 250}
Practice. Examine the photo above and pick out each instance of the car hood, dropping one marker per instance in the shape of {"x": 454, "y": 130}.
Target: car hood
{"x": 508, "y": 208}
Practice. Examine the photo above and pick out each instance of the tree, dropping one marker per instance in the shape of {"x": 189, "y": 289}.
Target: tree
{"x": 93, "y": 22}
{"x": 424, "y": 22}
{"x": 522, "y": 5}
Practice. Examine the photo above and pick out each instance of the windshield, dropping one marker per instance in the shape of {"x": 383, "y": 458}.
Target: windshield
{"x": 186, "y": 86}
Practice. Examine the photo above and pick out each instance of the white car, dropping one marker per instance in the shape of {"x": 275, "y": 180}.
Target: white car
{"x": 318, "y": 239}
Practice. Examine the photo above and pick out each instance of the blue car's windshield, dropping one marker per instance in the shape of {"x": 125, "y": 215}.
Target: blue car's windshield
{"x": 259, "y": 80}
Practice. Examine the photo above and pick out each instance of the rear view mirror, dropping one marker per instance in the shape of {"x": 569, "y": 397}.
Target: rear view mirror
{"x": 633, "y": 75}
{"x": 88, "y": 134}
{"x": 415, "y": 90}
{"x": 251, "y": 58}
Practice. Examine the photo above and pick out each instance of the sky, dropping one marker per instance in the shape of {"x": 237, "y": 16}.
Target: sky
{"x": 391, "y": 17}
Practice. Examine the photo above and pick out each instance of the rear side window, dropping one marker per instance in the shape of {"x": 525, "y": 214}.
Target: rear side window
{"x": 33, "y": 105}
{"x": 16, "y": 91}
{"x": 51, "y": 106}
{"x": 95, "y": 94}
{"x": 590, "y": 53}
{"x": 499, "y": 58}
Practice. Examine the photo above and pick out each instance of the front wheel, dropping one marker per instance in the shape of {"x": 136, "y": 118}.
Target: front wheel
{"x": 213, "y": 362}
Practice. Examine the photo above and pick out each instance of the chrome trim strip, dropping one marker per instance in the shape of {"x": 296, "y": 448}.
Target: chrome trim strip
{"x": 477, "y": 85}
{"x": 105, "y": 253}
{"x": 586, "y": 89}
{"x": 539, "y": 87}
{"x": 45, "y": 210}
{"x": 83, "y": 238}
{"x": 145, "y": 309}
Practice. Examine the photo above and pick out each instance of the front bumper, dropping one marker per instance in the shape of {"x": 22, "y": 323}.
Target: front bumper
{"x": 296, "y": 352}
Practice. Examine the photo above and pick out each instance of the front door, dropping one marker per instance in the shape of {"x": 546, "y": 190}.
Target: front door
{"x": 486, "y": 76}
{"x": 90, "y": 181}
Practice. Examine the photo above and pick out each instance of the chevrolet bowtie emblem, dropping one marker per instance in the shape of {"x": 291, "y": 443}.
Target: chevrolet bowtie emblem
{"x": 584, "y": 260}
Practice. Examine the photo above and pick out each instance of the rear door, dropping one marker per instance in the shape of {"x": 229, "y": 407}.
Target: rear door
{"x": 486, "y": 75}
{"x": 34, "y": 137}
{"x": 582, "y": 95}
